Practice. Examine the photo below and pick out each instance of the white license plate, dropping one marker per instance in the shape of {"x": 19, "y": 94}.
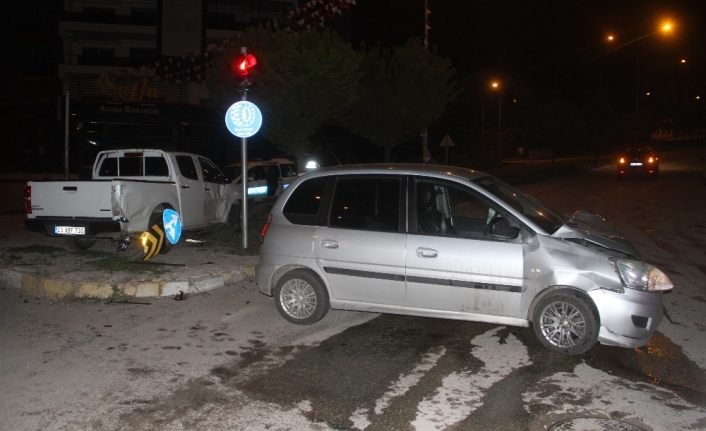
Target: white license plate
{"x": 69, "y": 230}
{"x": 635, "y": 164}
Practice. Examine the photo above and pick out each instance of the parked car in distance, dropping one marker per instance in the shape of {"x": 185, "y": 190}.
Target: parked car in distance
{"x": 266, "y": 178}
{"x": 640, "y": 160}
{"x": 447, "y": 242}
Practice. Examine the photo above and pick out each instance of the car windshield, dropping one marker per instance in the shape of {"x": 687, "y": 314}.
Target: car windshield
{"x": 638, "y": 152}
{"x": 547, "y": 219}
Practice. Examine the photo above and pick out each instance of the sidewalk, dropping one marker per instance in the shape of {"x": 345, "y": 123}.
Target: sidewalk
{"x": 43, "y": 266}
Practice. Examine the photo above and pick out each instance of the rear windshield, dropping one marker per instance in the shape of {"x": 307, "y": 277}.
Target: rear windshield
{"x": 134, "y": 166}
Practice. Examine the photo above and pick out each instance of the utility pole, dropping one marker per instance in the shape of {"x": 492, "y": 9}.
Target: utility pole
{"x": 67, "y": 132}
{"x": 426, "y": 154}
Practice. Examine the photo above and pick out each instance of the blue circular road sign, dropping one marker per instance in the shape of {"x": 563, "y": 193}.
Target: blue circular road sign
{"x": 172, "y": 225}
{"x": 243, "y": 119}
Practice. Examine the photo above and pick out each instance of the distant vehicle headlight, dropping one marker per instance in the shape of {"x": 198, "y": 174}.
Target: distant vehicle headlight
{"x": 640, "y": 275}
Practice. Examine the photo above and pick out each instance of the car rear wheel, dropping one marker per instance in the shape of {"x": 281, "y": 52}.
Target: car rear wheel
{"x": 301, "y": 298}
{"x": 565, "y": 323}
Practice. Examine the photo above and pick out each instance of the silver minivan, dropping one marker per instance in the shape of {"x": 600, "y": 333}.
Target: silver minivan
{"x": 447, "y": 242}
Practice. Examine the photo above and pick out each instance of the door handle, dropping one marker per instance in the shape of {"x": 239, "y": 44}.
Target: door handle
{"x": 427, "y": 252}
{"x": 184, "y": 187}
{"x": 328, "y": 243}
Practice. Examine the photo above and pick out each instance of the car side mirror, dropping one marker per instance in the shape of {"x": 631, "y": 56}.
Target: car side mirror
{"x": 500, "y": 227}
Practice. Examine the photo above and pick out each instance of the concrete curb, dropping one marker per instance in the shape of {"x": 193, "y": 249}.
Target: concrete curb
{"x": 35, "y": 285}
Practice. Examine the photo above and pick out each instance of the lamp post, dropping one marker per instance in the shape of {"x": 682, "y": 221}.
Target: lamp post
{"x": 495, "y": 86}
{"x": 666, "y": 28}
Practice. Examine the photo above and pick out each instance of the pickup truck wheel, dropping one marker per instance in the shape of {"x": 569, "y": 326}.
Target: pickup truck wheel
{"x": 82, "y": 243}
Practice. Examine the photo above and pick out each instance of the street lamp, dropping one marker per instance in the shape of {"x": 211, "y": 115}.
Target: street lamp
{"x": 666, "y": 28}
{"x": 495, "y": 85}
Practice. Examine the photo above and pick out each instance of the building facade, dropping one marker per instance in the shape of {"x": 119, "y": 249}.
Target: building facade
{"x": 107, "y": 58}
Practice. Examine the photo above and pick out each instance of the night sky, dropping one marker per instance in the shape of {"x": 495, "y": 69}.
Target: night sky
{"x": 551, "y": 46}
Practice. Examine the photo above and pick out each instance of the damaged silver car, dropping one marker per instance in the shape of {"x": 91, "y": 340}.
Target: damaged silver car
{"x": 448, "y": 242}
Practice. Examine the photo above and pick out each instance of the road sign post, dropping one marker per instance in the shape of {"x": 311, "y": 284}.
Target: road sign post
{"x": 445, "y": 144}
{"x": 244, "y": 119}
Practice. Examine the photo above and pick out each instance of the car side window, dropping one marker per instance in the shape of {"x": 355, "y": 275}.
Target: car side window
{"x": 303, "y": 205}
{"x": 211, "y": 173}
{"x": 452, "y": 210}
{"x": 187, "y": 167}
{"x": 257, "y": 173}
{"x": 288, "y": 170}
{"x": 366, "y": 203}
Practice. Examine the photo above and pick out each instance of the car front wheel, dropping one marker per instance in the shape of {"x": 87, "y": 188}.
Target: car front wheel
{"x": 301, "y": 298}
{"x": 565, "y": 323}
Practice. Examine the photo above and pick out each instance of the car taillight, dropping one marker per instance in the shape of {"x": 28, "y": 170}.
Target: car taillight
{"x": 28, "y": 199}
{"x": 265, "y": 228}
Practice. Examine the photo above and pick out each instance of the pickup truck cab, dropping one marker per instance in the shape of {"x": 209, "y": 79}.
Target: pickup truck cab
{"x": 127, "y": 194}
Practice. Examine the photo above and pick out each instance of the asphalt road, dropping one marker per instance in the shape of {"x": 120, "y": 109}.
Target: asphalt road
{"x": 225, "y": 360}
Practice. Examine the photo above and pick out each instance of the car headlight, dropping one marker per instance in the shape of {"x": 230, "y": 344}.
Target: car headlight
{"x": 640, "y": 275}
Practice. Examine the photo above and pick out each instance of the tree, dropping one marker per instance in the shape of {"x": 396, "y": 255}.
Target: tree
{"x": 402, "y": 91}
{"x": 302, "y": 80}
{"x": 556, "y": 125}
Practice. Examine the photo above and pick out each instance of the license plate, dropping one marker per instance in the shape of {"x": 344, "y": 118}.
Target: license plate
{"x": 69, "y": 230}
{"x": 635, "y": 164}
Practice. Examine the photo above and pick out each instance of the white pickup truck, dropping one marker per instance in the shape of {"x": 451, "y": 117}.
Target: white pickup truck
{"x": 128, "y": 191}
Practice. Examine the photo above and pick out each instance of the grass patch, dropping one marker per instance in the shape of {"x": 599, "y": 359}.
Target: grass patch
{"x": 231, "y": 239}
{"x": 34, "y": 248}
{"x": 114, "y": 264}
{"x": 91, "y": 253}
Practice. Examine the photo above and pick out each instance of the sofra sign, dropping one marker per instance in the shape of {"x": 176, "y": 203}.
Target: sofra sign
{"x": 134, "y": 91}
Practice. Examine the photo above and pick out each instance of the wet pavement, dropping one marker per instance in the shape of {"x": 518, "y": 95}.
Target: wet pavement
{"x": 225, "y": 359}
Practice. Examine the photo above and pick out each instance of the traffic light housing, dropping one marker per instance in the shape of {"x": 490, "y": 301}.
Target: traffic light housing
{"x": 243, "y": 63}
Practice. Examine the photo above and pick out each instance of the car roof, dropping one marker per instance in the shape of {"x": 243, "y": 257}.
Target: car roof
{"x": 399, "y": 168}
{"x": 252, "y": 163}
{"x": 640, "y": 148}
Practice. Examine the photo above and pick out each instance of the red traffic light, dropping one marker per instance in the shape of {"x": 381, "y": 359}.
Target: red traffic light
{"x": 243, "y": 63}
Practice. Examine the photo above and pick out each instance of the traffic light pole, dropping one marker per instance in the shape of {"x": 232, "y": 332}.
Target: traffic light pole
{"x": 244, "y": 127}
{"x": 244, "y": 182}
